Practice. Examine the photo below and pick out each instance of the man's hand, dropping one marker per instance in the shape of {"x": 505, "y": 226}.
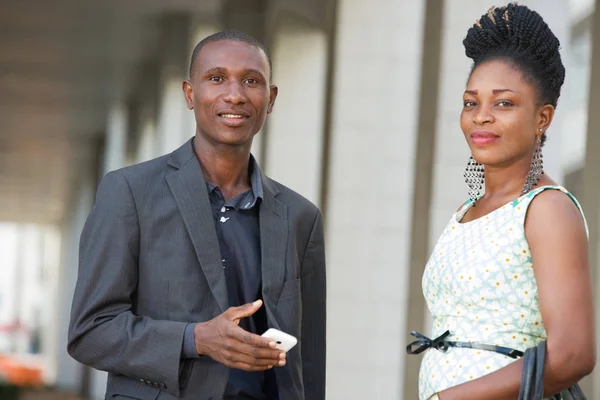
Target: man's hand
{"x": 224, "y": 341}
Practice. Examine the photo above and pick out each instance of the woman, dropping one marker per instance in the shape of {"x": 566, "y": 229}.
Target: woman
{"x": 511, "y": 269}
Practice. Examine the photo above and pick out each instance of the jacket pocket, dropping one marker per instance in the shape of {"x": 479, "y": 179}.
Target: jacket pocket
{"x": 125, "y": 388}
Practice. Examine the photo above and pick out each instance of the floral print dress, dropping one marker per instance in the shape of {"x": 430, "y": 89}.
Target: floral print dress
{"x": 479, "y": 284}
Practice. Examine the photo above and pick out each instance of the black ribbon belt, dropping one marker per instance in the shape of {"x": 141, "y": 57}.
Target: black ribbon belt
{"x": 424, "y": 343}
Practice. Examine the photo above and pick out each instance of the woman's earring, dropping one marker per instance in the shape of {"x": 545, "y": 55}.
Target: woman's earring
{"x": 536, "y": 170}
{"x": 474, "y": 178}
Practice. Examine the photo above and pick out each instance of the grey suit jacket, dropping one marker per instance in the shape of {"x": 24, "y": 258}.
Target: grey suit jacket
{"x": 150, "y": 263}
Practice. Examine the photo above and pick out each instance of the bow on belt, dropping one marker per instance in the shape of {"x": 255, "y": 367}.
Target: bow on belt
{"x": 440, "y": 343}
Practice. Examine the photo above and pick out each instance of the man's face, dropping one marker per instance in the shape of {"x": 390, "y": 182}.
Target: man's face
{"x": 230, "y": 92}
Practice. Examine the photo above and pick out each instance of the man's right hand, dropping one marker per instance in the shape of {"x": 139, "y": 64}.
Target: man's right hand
{"x": 224, "y": 341}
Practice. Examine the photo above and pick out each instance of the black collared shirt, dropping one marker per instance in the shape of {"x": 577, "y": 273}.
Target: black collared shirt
{"x": 238, "y": 231}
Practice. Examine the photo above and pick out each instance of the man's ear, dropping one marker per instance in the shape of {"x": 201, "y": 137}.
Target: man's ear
{"x": 188, "y": 94}
{"x": 272, "y": 96}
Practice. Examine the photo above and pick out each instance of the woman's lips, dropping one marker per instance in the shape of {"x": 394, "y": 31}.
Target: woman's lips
{"x": 482, "y": 138}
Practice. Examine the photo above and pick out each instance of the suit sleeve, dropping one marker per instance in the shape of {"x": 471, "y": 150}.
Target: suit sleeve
{"x": 104, "y": 332}
{"x": 313, "y": 313}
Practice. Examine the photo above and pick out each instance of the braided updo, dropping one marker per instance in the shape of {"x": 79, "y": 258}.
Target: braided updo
{"x": 519, "y": 36}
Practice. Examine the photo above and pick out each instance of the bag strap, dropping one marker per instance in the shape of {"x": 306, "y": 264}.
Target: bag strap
{"x": 532, "y": 377}
{"x": 576, "y": 392}
{"x": 540, "y": 360}
{"x": 528, "y": 374}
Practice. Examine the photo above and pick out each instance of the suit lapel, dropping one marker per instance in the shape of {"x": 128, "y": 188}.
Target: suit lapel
{"x": 273, "y": 242}
{"x": 189, "y": 190}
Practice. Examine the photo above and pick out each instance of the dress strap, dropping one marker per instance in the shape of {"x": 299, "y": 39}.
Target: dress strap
{"x": 463, "y": 209}
{"x": 528, "y": 197}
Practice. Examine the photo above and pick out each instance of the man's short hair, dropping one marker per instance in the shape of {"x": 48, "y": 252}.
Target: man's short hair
{"x": 234, "y": 35}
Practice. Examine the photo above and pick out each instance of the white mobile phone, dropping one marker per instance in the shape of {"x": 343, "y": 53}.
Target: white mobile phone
{"x": 284, "y": 341}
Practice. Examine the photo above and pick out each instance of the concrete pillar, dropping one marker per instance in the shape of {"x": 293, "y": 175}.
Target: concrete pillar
{"x": 369, "y": 201}
{"x": 554, "y": 13}
{"x": 9, "y": 246}
{"x": 146, "y": 137}
{"x": 173, "y": 121}
{"x": 428, "y": 136}
{"x": 116, "y": 137}
{"x": 249, "y": 16}
{"x": 70, "y": 373}
{"x": 19, "y": 341}
{"x": 29, "y": 304}
{"x": 173, "y": 115}
{"x": 296, "y": 125}
{"x": 51, "y": 295}
{"x": 591, "y": 189}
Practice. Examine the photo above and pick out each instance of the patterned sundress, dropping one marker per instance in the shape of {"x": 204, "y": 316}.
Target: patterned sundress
{"x": 479, "y": 284}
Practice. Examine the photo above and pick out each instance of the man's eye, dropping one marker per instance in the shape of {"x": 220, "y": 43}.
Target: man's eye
{"x": 251, "y": 81}
{"x": 216, "y": 79}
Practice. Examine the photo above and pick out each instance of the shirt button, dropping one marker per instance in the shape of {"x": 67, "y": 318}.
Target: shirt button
{"x": 223, "y": 209}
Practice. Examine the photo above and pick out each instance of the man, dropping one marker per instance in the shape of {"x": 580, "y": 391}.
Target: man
{"x": 187, "y": 259}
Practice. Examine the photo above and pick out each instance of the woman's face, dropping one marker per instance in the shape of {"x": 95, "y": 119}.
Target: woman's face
{"x": 501, "y": 118}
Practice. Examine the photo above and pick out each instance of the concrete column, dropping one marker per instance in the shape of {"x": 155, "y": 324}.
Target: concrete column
{"x": 29, "y": 287}
{"x": 116, "y": 137}
{"x": 146, "y": 138}
{"x": 173, "y": 115}
{"x": 9, "y": 246}
{"x": 591, "y": 189}
{"x": 369, "y": 202}
{"x": 249, "y": 16}
{"x": 70, "y": 373}
{"x": 554, "y": 13}
{"x": 19, "y": 341}
{"x": 428, "y": 136}
{"x": 295, "y": 127}
{"x": 51, "y": 295}
{"x": 173, "y": 119}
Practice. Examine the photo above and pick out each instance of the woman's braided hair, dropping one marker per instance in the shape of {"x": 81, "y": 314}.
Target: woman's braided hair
{"x": 520, "y": 36}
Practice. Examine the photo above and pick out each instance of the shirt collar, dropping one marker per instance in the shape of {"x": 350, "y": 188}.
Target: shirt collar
{"x": 256, "y": 183}
{"x": 256, "y": 178}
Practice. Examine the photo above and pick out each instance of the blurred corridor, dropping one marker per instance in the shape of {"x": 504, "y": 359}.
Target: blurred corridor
{"x": 369, "y": 96}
